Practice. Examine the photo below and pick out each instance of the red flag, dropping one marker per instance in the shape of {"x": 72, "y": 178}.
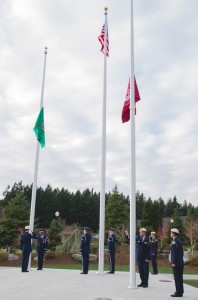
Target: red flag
{"x": 101, "y": 40}
{"x": 126, "y": 107}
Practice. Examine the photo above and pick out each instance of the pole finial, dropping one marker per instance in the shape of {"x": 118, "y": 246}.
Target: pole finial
{"x": 45, "y": 50}
{"x": 106, "y": 9}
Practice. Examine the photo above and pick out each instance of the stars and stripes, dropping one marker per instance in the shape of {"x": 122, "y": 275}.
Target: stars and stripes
{"x": 101, "y": 39}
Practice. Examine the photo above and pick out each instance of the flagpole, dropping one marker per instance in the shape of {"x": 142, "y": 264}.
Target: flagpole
{"x": 132, "y": 167}
{"x": 34, "y": 186}
{"x": 103, "y": 161}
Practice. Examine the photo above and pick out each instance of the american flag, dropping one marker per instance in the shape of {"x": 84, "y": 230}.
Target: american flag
{"x": 101, "y": 40}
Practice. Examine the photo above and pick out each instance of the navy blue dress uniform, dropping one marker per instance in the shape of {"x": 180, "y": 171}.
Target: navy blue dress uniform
{"x": 143, "y": 256}
{"x": 177, "y": 262}
{"x": 111, "y": 250}
{"x": 153, "y": 249}
{"x": 26, "y": 248}
{"x": 41, "y": 248}
{"x": 85, "y": 249}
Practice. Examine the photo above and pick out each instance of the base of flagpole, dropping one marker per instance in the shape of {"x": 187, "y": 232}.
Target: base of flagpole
{"x": 101, "y": 273}
{"x": 132, "y": 287}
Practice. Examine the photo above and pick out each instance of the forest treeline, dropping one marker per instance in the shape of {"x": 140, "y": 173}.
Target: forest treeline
{"x": 82, "y": 208}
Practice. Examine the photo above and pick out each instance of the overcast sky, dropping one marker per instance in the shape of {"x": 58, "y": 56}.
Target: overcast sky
{"x": 166, "y": 68}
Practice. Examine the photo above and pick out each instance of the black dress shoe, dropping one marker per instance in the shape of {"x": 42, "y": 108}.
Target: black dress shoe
{"x": 141, "y": 284}
{"x": 145, "y": 285}
{"x": 39, "y": 269}
{"x": 176, "y": 295}
{"x": 110, "y": 272}
{"x": 83, "y": 273}
{"x": 154, "y": 273}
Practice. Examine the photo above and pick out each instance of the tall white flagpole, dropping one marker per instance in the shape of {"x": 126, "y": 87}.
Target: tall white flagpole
{"x": 103, "y": 160}
{"x": 34, "y": 186}
{"x": 132, "y": 167}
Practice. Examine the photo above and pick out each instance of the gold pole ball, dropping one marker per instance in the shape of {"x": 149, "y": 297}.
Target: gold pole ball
{"x": 106, "y": 8}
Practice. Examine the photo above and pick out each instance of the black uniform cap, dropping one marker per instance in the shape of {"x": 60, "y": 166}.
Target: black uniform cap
{"x": 87, "y": 228}
{"x": 112, "y": 229}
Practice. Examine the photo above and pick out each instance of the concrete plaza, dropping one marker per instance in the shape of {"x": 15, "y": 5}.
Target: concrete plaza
{"x": 54, "y": 284}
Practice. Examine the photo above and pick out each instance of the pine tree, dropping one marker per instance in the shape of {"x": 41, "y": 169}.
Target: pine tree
{"x": 117, "y": 210}
{"x": 18, "y": 208}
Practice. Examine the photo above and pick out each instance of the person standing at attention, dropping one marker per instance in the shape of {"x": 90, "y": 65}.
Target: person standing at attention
{"x": 85, "y": 249}
{"x": 153, "y": 249}
{"x": 143, "y": 256}
{"x": 177, "y": 262}
{"x": 111, "y": 250}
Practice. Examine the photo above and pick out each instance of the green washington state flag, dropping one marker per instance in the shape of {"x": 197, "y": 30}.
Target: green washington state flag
{"x": 39, "y": 128}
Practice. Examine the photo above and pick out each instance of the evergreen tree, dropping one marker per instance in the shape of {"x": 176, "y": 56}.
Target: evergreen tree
{"x": 147, "y": 216}
{"x": 140, "y": 201}
{"x": 117, "y": 210}
{"x": 162, "y": 207}
{"x": 54, "y": 234}
{"x": 8, "y": 232}
{"x": 18, "y": 208}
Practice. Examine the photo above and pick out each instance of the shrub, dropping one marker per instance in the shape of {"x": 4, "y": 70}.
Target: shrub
{"x": 94, "y": 246}
{"x": 3, "y": 255}
{"x": 50, "y": 255}
{"x": 193, "y": 261}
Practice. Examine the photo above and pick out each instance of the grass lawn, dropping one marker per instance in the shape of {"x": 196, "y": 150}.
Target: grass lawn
{"x": 125, "y": 268}
{"x": 191, "y": 282}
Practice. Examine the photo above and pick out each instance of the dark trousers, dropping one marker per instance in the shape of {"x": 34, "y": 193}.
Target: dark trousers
{"x": 40, "y": 260}
{"x": 25, "y": 261}
{"x": 144, "y": 271}
{"x": 178, "y": 277}
{"x": 154, "y": 264}
{"x": 111, "y": 262}
{"x": 85, "y": 262}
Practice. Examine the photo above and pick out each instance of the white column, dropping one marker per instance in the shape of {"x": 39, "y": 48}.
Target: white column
{"x": 132, "y": 167}
{"x": 103, "y": 162}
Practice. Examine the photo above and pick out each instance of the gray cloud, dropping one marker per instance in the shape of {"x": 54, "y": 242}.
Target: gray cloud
{"x": 166, "y": 67}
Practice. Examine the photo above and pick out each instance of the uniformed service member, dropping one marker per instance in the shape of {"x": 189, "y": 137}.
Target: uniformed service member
{"x": 177, "y": 262}
{"x": 85, "y": 249}
{"x": 41, "y": 248}
{"x": 111, "y": 250}
{"x": 26, "y": 248}
{"x": 153, "y": 249}
{"x": 143, "y": 256}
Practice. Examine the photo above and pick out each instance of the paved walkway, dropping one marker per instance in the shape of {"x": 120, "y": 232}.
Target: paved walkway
{"x": 54, "y": 284}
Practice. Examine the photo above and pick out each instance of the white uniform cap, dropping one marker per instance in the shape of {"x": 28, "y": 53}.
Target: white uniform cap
{"x": 153, "y": 232}
{"x": 143, "y": 229}
{"x": 27, "y": 227}
{"x": 175, "y": 230}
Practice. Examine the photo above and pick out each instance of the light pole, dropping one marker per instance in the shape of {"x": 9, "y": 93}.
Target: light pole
{"x": 57, "y": 214}
{"x": 172, "y": 222}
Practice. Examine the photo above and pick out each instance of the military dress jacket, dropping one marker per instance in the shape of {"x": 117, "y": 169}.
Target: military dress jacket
{"x": 111, "y": 243}
{"x": 177, "y": 252}
{"x": 142, "y": 248}
{"x": 153, "y": 245}
{"x": 42, "y": 244}
{"x": 26, "y": 243}
{"x": 85, "y": 243}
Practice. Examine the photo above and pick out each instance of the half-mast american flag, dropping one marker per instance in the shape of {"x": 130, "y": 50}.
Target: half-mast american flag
{"x": 101, "y": 40}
